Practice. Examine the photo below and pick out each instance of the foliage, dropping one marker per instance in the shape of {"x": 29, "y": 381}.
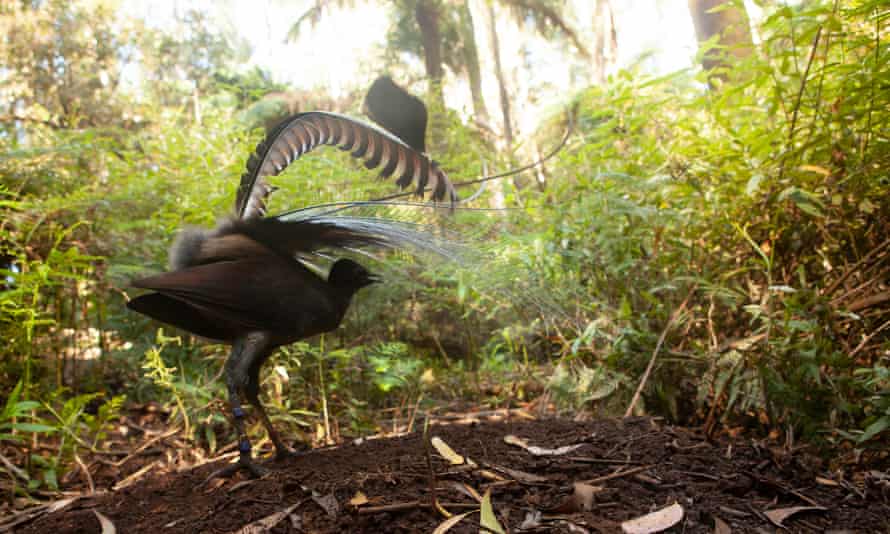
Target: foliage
{"x": 763, "y": 200}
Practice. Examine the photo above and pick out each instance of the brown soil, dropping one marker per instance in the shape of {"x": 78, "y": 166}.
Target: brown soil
{"x": 730, "y": 480}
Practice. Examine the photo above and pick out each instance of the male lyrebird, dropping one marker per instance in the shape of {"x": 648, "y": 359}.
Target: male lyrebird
{"x": 243, "y": 283}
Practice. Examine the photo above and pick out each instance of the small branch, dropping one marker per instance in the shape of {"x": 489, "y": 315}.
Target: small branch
{"x": 651, "y": 365}
{"x": 868, "y": 338}
{"x": 14, "y": 469}
{"x": 875, "y": 251}
{"x": 411, "y": 505}
{"x": 803, "y": 84}
{"x": 617, "y": 474}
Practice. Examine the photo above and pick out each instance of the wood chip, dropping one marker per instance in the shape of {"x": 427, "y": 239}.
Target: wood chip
{"x": 654, "y": 522}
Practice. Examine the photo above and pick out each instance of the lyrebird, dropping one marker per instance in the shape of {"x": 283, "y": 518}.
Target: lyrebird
{"x": 243, "y": 283}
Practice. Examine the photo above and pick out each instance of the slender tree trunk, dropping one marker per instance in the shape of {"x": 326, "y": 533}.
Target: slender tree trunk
{"x": 605, "y": 44}
{"x": 732, "y": 26}
{"x": 499, "y": 73}
{"x": 427, "y": 14}
{"x": 471, "y": 59}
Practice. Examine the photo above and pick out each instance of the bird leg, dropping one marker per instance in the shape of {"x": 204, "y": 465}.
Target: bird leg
{"x": 252, "y": 392}
{"x": 244, "y": 351}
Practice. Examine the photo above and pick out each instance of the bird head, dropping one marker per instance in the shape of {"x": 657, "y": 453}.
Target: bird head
{"x": 347, "y": 274}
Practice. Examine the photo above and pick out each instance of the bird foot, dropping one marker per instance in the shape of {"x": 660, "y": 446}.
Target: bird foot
{"x": 254, "y": 470}
{"x": 283, "y": 453}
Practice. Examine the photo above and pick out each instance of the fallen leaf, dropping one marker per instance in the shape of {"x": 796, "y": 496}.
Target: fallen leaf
{"x": 657, "y": 521}
{"x": 446, "y": 525}
{"x": 510, "y": 439}
{"x": 721, "y": 527}
{"x": 826, "y": 481}
{"x": 581, "y": 499}
{"x": 491, "y": 475}
{"x": 779, "y": 515}
{"x": 327, "y": 502}
{"x": 466, "y": 489}
{"x": 486, "y": 515}
{"x": 521, "y": 476}
{"x": 446, "y": 451}
{"x": 358, "y": 499}
{"x": 265, "y": 524}
{"x": 532, "y": 520}
{"x": 58, "y": 505}
{"x": 107, "y": 525}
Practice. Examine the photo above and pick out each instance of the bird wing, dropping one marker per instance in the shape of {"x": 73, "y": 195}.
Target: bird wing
{"x": 304, "y": 132}
{"x": 252, "y": 294}
{"x": 181, "y": 315}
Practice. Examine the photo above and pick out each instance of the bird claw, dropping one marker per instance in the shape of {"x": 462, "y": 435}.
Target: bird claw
{"x": 254, "y": 470}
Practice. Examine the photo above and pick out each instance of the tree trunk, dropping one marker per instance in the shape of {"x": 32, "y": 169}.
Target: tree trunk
{"x": 427, "y": 15}
{"x": 471, "y": 60}
{"x": 605, "y": 44}
{"x": 499, "y": 73}
{"x": 730, "y": 23}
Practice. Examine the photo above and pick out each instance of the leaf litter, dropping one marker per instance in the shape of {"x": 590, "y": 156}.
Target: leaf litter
{"x": 385, "y": 485}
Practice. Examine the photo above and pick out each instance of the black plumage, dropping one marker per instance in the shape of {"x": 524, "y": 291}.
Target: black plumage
{"x": 398, "y": 111}
{"x": 244, "y": 284}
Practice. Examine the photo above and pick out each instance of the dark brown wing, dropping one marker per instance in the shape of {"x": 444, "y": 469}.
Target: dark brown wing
{"x": 182, "y": 315}
{"x": 304, "y": 132}
{"x": 265, "y": 293}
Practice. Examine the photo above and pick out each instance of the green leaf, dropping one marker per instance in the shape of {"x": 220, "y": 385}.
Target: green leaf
{"x": 33, "y": 427}
{"x": 875, "y": 428}
{"x": 486, "y": 515}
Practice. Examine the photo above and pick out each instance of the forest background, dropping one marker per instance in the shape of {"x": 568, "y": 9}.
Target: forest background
{"x": 715, "y": 232}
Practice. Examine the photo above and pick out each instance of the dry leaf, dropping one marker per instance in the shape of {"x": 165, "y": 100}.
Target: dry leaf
{"x": 581, "y": 499}
{"x": 107, "y": 525}
{"x": 779, "y": 515}
{"x": 446, "y": 451}
{"x": 532, "y": 520}
{"x": 486, "y": 515}
{"x": 721, "y": 527}
{"x": 657, "y": 521}
{"x": 265, "y": 524}
{"x": 58, "y": 505}
{"x": 358, "y": 499}
{"x": 327, "y": 502}
{"x": 446, "y": 525}
{"x": 826, "y": 481}
{"x": 539, "y": 451}
{"x": 521, "y": 476}
{"x": 466, "y": 489}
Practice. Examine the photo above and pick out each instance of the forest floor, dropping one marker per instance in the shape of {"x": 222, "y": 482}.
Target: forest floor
{"x": 551, "y": 475}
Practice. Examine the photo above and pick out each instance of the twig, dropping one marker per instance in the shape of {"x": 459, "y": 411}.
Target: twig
{"x": 618, "y": 474}
{"x": 867, "y": 338}
{"x": 667, "y": 327}
{"x": 86, "y": 473}
{"x": 14, "y": 469}
{"x": 584, "y": 459}
{"x": 803, "y": 84}
{"x": 878, "y": 249}
{"x": 411, "y": 505}
{"x": 434, "y": 501}
{"x": 136, "y": 476}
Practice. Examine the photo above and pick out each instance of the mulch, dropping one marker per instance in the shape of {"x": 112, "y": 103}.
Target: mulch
{"x": 608, "y": 471}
